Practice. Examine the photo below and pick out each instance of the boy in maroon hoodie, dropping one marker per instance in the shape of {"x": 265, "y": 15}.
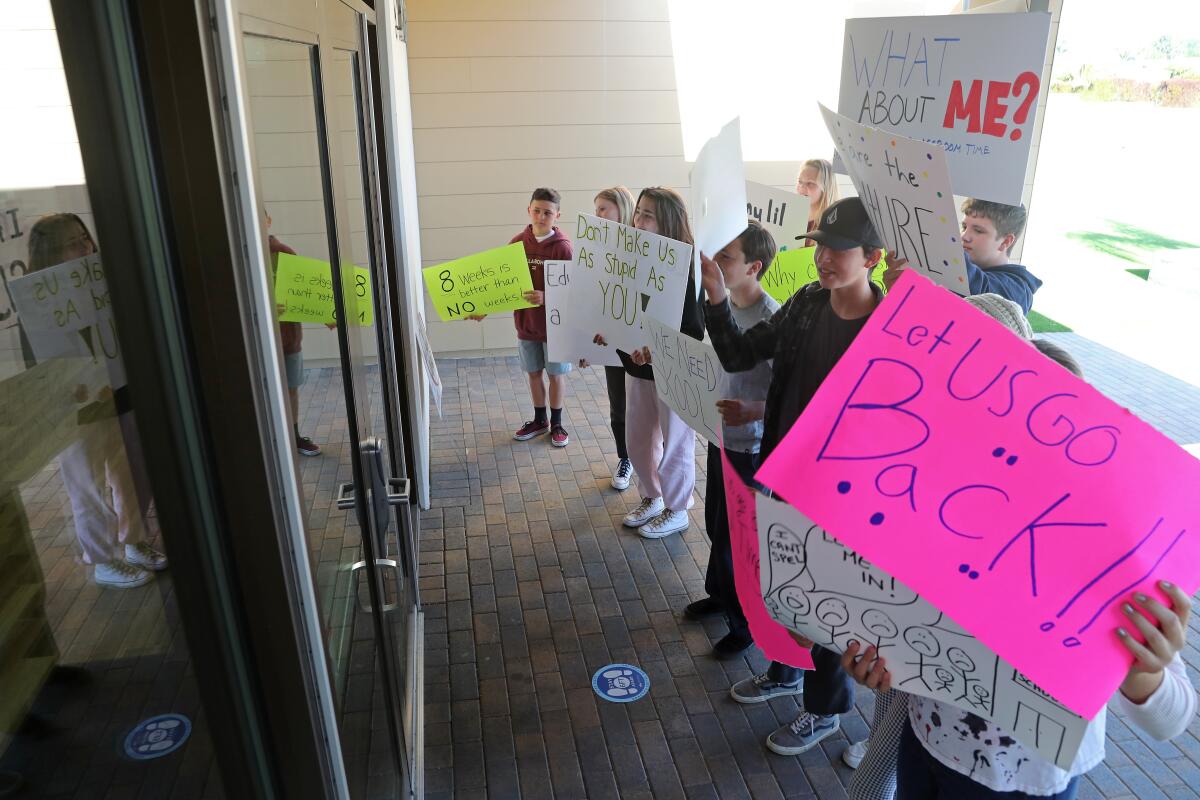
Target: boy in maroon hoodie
{"x": 543, "y": 242}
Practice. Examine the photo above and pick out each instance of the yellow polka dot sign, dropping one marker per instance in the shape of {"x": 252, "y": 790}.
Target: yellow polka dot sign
{"x": 905, "y": 186}
{"x": 483, "y": 283}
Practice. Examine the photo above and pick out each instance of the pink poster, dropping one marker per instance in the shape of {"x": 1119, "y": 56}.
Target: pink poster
{"x": 771, "y": 637}
{"x": 1004, "y": 490}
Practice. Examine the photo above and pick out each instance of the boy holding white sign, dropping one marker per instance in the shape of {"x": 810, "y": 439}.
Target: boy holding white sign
{"x": 989, "y": 233}
{"x": 805, "y": 339}
{"x": 743, "y": 263}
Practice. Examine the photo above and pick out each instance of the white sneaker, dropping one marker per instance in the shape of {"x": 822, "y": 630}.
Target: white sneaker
{"x": 120, "y": 575}
{"x": 664, "y": 524}
{"x": 648, "y": 509}
{"x": 144, "y": 556}
{"x": 622, "y": 475}
{"x": 853, "y": 755}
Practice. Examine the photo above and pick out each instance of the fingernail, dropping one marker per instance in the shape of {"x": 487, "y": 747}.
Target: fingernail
{"x": 1122, "y": 632}
{"x": 1128, "y": 608}
{"x": 1165, "y": 584}
{"x": 852, "y": 643}
{"x": 1141, "y": 598}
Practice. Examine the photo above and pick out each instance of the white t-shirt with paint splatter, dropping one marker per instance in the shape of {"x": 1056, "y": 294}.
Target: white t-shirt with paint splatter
{"x": 990, "y": 756}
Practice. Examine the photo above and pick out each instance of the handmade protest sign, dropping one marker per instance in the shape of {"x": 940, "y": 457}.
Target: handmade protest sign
{"x": 1009, "y": 493}
{"x": 564, "y": 341}
{"x": 688, "y": 377}
{"x": 620, "y": 275}
{"x": 815, "y": 585}
{"x": 39, "y": 415}
{"x": 718, "y": 193}
{"x": 304, "y": 287}
{"x": 794, "y": 268}
{"x": 905, "y": 188}
{"x": 482, "y": 283}
{"x": 770, "y": 637}
{"x": 967, "y": 83}
{"x": 431, "y": 368}
{"x": 784, "y": 215}
{"x": 65, "y": 312}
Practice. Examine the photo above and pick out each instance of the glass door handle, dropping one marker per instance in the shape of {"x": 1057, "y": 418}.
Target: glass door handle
{"x": 380, "y": 564}
{"x": 397, "y": 493}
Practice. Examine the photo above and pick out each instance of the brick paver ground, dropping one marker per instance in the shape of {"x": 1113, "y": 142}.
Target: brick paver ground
{"x": 531, "y": 584}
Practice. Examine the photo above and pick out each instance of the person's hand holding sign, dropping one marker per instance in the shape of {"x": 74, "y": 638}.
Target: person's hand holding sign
{"x": 895, "y": 269}
{"x": 712, "y": 280}
{"x": 599, "y": 339}
{"x": 741, "y": 412}
{"x": 475, "y": 317}
{"x": 534, "y": 296}
{"x": 869, "y": 669}
{"x": 1165, "y": 637}
{"x": 641, "y": 357}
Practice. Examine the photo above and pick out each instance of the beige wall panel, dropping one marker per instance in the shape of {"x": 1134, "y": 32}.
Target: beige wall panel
{"x": 569, "y": 141}
{"x": 479, "y": 109}
{"x": 498, "y": 37}
{"x": 561, "y": 73}
{"x": 585, "y": 175}
{"x": 286, "y": 150}
{"x": 282, "y": 114}
{"x": 280, "y": 78}
{"x": 651, "y": 10}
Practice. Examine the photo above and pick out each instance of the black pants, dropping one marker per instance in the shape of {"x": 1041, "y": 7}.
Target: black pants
{"x": 718, "y": 579}
{"x": 827, "y": 690}
{"x": 615, "y": 378}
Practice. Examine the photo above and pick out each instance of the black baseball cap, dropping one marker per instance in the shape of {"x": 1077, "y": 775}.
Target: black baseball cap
{"x": 845, "y": 225}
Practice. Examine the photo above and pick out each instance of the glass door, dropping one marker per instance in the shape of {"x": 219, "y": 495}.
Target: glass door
{"x": 306, "y": 88}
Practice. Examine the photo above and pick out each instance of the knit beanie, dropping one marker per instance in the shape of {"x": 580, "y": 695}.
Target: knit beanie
{"x": 1004, "y": 311}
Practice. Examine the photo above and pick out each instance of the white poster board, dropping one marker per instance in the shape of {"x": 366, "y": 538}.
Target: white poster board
{"x": 564, "y": 341}
{"x": 905, "y": 188}
{"x": 814, "y": 585}
{"x": 783, "y": 214}
{"x": 65, "y": 311}
{"x": 688, "y": 377}
{"x": 431, "y": 368}
{"x": 621, "y": 274}
{"x": 718, "y": 193}
{"x": 967, "y": 83}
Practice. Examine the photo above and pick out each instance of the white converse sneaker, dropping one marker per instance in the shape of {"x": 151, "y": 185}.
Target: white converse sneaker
{"x": 622, "y": 474}
{"x": 120, "y": 575}
{"x": 664, "y": 524}
{"x": 144, "y": 556}
{"x": 648, "y": 509}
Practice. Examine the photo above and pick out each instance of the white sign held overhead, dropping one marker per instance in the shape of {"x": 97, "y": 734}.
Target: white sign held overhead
{"x": 718, "y": 194}
{"x": 904, "y": 185}
{"x": 621, "y": 274}
{"x": 968, "y": 83}
{"x": 813, "y": 584}
{"x": 564, "y": 341}
{"x": 783, "y": 214}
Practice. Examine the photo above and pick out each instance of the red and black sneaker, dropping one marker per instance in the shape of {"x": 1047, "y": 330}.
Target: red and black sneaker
{"x": 531, "y": 429}
{"x": 558, "y": 436}
{"x": 307, "y": 446}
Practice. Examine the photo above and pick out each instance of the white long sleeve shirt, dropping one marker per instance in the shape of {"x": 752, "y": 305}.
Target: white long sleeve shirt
{"x": 1013, "y": 767}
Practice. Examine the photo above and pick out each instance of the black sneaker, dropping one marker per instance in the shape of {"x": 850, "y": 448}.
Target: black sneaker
{"x": 703, "y": 609}
{"x": 732, "y": 645}
{"x": 307, "y": 446}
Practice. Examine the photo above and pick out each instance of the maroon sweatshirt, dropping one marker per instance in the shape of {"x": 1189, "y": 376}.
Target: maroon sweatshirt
{"x": 531, "y": 322}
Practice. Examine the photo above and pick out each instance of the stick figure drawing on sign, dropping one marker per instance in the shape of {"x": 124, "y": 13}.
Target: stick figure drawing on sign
{"x": 961, "y": 663}
{"x": 880, "y": 628}
{"x": 926, "y": 646}
{"x": 831, "y": 615}
{"x": 945, "y": 679}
